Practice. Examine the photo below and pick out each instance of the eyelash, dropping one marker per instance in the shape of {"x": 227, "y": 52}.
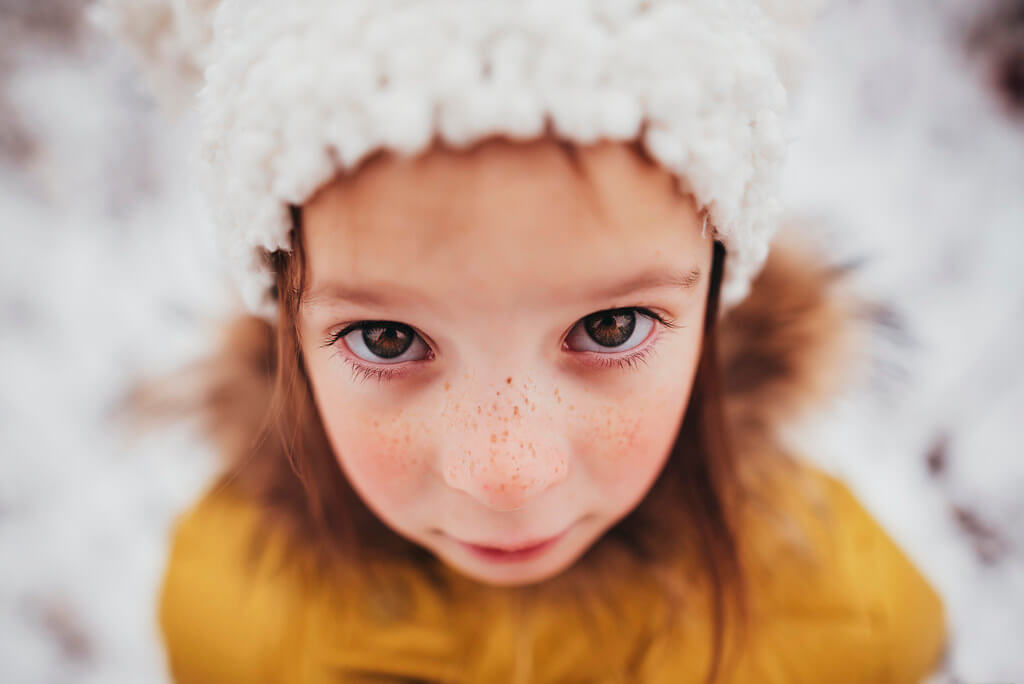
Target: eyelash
{"x": 364, "y": 372}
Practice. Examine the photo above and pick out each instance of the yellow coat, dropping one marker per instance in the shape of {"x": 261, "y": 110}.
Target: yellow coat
{"x": 842, "y": 605}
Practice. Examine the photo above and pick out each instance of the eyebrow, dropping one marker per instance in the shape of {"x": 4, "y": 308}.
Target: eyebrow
{"x": 332, "y": 291}
{"x": 651, "y": 280}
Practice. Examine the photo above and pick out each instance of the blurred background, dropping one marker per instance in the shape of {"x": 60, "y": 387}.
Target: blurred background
{"x": 908, "y": 156}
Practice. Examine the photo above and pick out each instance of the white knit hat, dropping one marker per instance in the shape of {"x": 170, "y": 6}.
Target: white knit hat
{"x": 296, "y": 91}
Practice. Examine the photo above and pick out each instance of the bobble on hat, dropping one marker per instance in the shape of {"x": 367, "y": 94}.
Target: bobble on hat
{"x": 295, "y": 92}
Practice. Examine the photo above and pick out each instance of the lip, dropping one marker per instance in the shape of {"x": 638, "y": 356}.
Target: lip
{"x": 512, "y": 553}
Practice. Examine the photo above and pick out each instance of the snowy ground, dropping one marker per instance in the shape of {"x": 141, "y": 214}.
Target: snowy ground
{"x": 903, "y": 153}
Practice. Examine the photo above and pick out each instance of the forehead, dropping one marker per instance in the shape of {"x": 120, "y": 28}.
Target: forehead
{"x": 514, "y": 222}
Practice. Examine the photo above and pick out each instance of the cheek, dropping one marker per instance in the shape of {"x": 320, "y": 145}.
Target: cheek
{"x": 624, "y": 440}
{"x": 625, "y": 445}
{"x": 383, "y": 456}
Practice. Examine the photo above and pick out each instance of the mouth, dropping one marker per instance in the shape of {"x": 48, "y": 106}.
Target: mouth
{"x": 512, "y": 552}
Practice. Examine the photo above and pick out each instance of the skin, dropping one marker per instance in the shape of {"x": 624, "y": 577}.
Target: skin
{"x": 506, "y": 423}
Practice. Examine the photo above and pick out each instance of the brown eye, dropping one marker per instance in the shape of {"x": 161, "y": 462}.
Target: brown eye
{"x": 386, "y": 342}
{"x": 612, "y": 330}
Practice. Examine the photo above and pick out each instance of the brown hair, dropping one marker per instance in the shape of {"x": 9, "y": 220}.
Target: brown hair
{"x": 292, "y": 472}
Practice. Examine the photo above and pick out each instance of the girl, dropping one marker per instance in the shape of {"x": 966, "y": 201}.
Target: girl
{"x": 506, "y": 404}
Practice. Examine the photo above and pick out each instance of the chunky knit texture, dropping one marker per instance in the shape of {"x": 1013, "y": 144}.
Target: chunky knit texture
{"x": 295, "y": 92}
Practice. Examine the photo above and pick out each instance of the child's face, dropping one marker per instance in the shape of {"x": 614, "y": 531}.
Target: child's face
{"x": 489, "y": 411}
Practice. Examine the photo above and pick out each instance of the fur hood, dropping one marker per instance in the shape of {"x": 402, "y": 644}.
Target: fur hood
{"x": 799, "y": 338}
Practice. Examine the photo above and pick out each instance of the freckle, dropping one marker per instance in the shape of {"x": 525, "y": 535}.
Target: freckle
{"x": 447, "y": 385}
{"x": 505, "y": 433}
{"x": 494, "y": 438}
{"x": 478, "y": 410}
{"x": 499, "y": 393}
{"x": 515, "y": 410}
{"x": 571, "y": 407}
{"x": 508, "y": 381}
{"x": 558, "y": 397}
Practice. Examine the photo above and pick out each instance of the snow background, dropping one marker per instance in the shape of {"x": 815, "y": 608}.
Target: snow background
{"x": 904, "y": 155}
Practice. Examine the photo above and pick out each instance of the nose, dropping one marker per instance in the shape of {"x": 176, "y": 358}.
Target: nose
{"x": 505, "y": 453}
